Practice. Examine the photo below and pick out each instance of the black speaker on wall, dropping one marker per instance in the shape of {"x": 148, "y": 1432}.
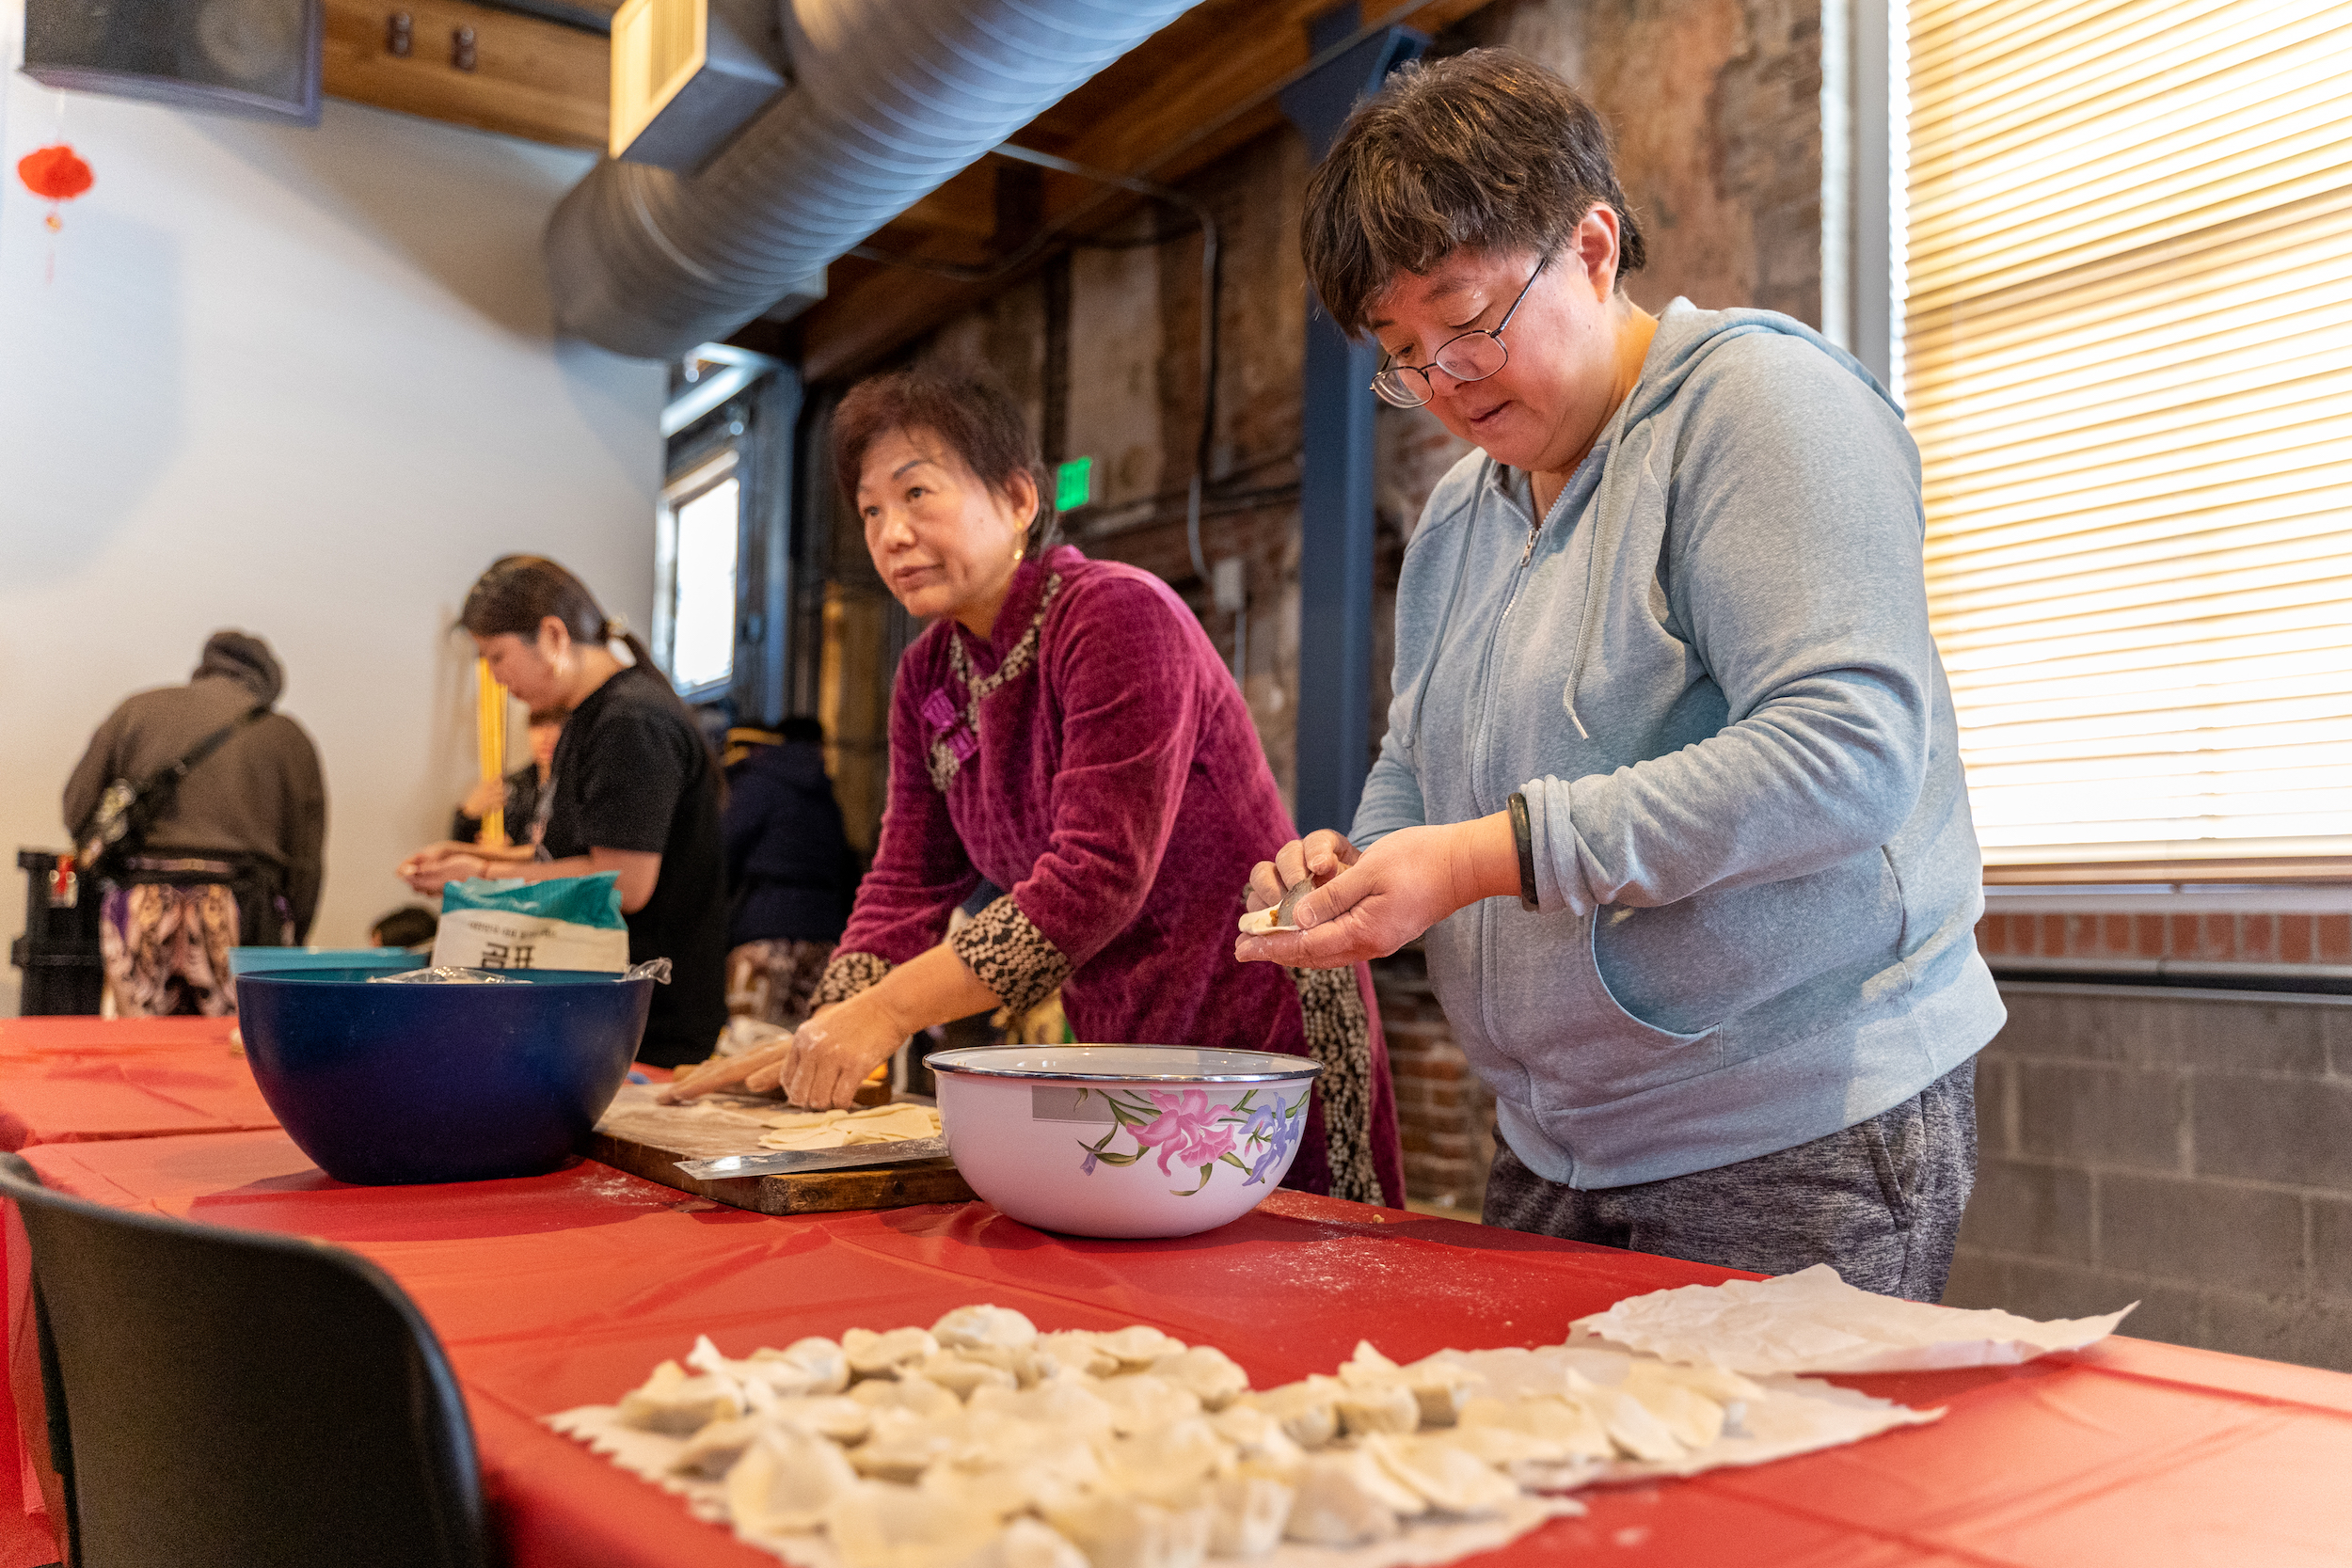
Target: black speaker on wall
{"x": 252, "y": 57}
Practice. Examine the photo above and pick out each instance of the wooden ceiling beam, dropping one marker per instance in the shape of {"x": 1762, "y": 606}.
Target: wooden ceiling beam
{"x": 1142, "y": 115}
{"x": 531, "y": 78}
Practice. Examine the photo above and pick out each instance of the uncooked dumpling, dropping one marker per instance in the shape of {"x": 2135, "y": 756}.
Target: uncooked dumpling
{"x": 1448, "y": 1478}
{"x": 909, "y": 1392}
{"x": 1566, "y": 1429}
{"x": 811, "y": 1366}
{"x": 834, "y": 1416}
{"x": 1138, "y": 1345}
{"x": 1307, "y": 1411}
{"x": 904, "y": 1443}
{"x": 671, "y": 1401}
{"x": 1380, "y": 1407}
{"x": 873, "y": 1354}
{"x": 875, "y": 1525}
{"x": 1075, "y": 1352}
{"x": 1141, "y": 1402}
{"x": 712, "y": 1451}
{"x": 1261, "y": 1447}
{"x": 1126, "y": 1533}
{"x": 1068, "y": 1405}
{"x": 1257, "y": 922}
{"x": 1165, "y": 1464}
{"x": 1211, "y": 1375}
{"x": 784, "y": 1481}
{"x": 1027, "y": 1543}
{"x": 976, "y": 1328}
{"x": 1246, "y": 1514}
{"x": 1344, "y": 1501}
{"x": 961, "y": 1374}
{"x": 1440, "y": 1383}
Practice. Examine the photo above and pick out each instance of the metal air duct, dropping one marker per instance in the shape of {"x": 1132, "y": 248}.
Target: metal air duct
{"x": 890, "y": 98}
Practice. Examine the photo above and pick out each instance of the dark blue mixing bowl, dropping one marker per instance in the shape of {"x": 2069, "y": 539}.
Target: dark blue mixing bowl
{"x": 385, "y": 1084}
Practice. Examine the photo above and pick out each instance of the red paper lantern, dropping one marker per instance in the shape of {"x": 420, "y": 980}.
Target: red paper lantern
{"x": 55, "y": 174}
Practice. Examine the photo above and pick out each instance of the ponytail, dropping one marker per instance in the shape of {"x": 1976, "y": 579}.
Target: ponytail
{"x": 519, "y": 592}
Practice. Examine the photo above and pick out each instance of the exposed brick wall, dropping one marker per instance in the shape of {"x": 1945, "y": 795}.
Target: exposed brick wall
{"x": 2234, "y": 936}
{"x": 2191, "y": 1150}
{"x": 1444, "y": 1111}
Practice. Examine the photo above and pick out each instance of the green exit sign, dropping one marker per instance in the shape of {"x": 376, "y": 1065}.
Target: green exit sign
{"x": 1073, "y": 484}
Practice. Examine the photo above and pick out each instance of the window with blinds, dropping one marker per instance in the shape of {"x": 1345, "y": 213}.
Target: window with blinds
{"x": 2128, "y": 365}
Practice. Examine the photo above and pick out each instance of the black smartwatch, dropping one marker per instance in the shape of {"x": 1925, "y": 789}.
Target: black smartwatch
{"x": 1523, "y": 839}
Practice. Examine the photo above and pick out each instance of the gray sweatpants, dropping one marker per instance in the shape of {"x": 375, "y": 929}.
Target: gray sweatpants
{"x": 1880, "y": 1201}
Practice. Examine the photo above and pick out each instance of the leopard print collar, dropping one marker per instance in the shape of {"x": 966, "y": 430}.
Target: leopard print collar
{"x": 957, "y": 726}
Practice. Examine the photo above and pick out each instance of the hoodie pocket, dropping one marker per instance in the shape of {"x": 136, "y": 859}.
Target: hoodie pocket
{"x": 1686, "y": 968}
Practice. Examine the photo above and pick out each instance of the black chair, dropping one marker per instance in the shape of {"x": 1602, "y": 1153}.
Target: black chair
{"x": 227, "y": 1399}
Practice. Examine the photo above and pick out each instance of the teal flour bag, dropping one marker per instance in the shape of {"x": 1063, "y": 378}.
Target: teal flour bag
{"x": 506, "y": 922}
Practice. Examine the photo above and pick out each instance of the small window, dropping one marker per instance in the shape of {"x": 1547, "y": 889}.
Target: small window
{"x": 699, "y": 543}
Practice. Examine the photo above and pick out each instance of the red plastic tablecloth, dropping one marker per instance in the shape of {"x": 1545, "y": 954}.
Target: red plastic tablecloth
{"x": 565, "y": 1290}
{"x": 80, "y": 1079}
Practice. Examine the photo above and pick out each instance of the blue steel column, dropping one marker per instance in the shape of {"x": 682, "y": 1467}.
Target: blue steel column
{"x": 1336, "y": 478}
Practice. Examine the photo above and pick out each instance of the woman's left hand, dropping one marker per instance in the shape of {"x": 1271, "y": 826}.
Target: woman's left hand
{"x": 831, "y": 1054}
{"x": 437, "y": 863}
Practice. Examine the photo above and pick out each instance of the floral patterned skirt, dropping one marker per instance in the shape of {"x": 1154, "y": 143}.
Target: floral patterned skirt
{"x": 774, "y": 979}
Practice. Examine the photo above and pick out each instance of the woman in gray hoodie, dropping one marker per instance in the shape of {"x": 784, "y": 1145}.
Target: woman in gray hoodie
{"x": 1671, "y": 787}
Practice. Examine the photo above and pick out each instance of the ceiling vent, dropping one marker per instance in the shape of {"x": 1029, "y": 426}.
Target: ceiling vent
{"x": 258, "y": 58}
{"x": 687, "y": 75}
{"x": 888, "y": 100}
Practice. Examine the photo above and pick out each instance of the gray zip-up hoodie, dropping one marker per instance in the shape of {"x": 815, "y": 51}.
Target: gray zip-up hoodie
{"x": 1708, "y": 668}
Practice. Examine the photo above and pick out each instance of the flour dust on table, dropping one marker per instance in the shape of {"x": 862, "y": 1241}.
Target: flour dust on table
{"x": 981, "y": 1442}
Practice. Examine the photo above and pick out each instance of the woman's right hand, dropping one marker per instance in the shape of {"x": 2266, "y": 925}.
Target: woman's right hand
{"x": 1321, "y": 854}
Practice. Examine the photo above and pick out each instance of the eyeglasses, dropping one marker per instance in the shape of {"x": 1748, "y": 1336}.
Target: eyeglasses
{"x": 1473, "y": 356}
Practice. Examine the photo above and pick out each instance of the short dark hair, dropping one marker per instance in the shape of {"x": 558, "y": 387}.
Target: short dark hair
{"x": 966, "y": 405}
{"x": 1485, "y": 151}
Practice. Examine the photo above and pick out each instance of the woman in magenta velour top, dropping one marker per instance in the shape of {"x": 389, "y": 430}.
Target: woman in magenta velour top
{"x": 1065, "y": 730}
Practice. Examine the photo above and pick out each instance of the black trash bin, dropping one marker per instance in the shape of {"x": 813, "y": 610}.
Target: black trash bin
{"x": 59, "y": 951}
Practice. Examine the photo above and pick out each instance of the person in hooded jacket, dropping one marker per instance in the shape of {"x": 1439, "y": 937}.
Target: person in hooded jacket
{"x": 1672, "y": 780}
{"x": 790, "y": 870}
{"x": 234, "y": 858}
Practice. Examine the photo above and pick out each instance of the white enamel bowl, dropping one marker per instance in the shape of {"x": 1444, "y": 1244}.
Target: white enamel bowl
{"x": 1121, "y": 1140}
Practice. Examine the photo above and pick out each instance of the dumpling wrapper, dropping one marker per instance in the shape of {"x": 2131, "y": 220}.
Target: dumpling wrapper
{"x": 1813, "y": 1322}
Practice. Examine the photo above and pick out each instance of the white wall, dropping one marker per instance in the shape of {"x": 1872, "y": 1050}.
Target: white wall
{"x": 302, "y": 383}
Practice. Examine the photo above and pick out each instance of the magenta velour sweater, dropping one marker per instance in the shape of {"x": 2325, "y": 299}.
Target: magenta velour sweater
{"x": 1114, "y": 787}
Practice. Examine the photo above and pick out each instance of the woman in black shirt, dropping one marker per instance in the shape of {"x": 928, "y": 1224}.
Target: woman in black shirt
{"x": 636, "y": 790}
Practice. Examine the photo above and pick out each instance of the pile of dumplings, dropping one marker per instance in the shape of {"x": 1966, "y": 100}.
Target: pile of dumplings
{"x": 875, "y": 1124}
{"x": 982, "y": 1443}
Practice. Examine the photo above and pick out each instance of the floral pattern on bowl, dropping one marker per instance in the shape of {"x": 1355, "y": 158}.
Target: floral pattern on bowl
{"x": 1197, "y": 1131}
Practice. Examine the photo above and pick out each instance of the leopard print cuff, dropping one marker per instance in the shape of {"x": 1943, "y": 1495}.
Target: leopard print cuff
{"x": 848, "y": 975}
{"x": 1012, "y": 957}
{"x": 1338, "y": 1034}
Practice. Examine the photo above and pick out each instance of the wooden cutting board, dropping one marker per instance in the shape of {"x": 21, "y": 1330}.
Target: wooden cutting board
{"x": 646, "y": 1139}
